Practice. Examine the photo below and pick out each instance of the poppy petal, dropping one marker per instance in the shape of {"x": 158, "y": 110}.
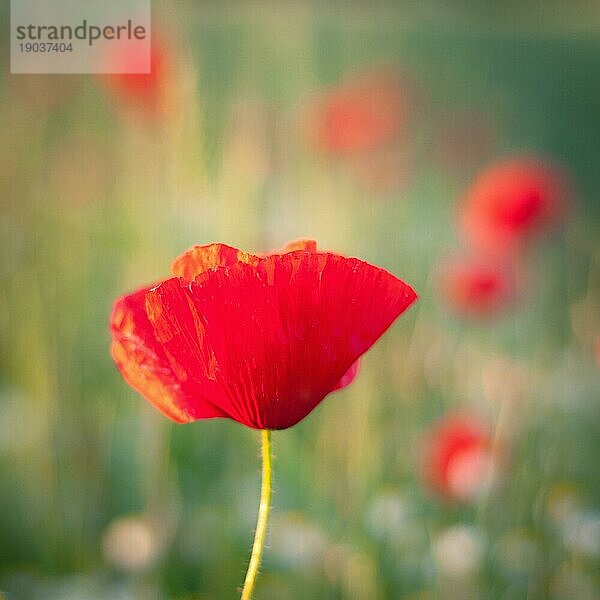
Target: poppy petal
{"x": 348, "y": 377}
{"x": 145, "y": 366}
{"x": 198, "y": 259}
{"x": 299, "y": 244}
{"x": 272, "y": 335}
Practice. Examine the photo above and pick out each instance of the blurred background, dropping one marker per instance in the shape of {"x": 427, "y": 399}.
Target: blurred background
{"x": 455, "y": 144}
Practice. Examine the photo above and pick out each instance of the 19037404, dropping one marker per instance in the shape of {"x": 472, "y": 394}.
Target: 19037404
{"x": 42, "y": 47}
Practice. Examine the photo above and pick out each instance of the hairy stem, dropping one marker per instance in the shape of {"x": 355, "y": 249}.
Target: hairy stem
{"x": 263, "y": 517}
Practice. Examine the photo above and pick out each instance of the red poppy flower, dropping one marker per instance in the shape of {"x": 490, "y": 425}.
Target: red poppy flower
{"x": 360, "y": 114}
{"x": 477, "y": 287}
{"x": 460, "y": 461}
{"x": 511, "y": 201}
{"x": 258, "y": 339}
{"x": 150, "y": 94}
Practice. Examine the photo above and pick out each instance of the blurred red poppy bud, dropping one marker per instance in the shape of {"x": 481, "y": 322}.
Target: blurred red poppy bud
{"x": 360, "y": 114}
{"x": 460, "y": 462}
{"x": 153, "y": 95}
{"x": 477, "y": 287}
{"x": 511, "y": 202}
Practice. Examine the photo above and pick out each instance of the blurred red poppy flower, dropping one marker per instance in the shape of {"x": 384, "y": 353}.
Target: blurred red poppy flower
{"x": 512, "y": 201}
{"x": 361, "y": 114}
{"x": 460, "y": 462}
{"x": 476, "y": 286}
{"x": 150, "y": 94}
{"x": 258, "y": 339}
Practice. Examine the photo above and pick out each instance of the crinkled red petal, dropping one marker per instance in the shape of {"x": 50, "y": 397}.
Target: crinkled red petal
{"x": 199, "y": 259}
{"x": 267, "y": 342}
{"x": 299, "y": 244}
{"x": 146, "y": 367}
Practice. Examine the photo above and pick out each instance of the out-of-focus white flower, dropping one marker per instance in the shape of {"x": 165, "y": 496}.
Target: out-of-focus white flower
{"x": 578, "y": 527}
{"x": 392, "y": 519}
{"x": 131, "y": 543}
{"x": 458, "y": 551}
{"x": 388, "y": 514}
{"x": 563, "y": 501}
{"x": 296, "y": 541}
{"x": 581, "y": 533}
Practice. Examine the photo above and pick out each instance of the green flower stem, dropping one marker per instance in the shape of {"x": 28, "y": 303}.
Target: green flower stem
{"x": 263, "y": 517}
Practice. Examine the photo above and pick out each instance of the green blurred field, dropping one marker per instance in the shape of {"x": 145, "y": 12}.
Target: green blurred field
{"x": 94, "y": 204}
